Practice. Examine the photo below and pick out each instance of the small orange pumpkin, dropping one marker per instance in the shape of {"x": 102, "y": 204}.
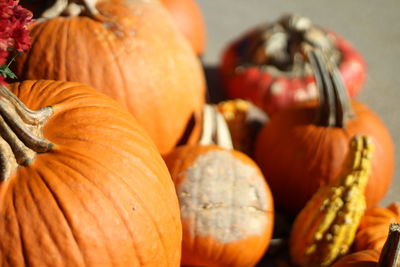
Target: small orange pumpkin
{"x": 226, "y": 205}
{"x": 365, "y": 258}
{"x": 82, "y": 184}
{"x": 127, "y": 49}
{"x": 244, "y": 120}
{"x": 372, "y": 232}
{"x": 388, "y": 257}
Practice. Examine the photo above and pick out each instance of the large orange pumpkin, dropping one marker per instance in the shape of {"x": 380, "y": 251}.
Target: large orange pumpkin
{"x": 187, "y": 15}
{"x": 97, "y": 193}
{"x": 304, "y": 147}
{"x": 127, "y": 49}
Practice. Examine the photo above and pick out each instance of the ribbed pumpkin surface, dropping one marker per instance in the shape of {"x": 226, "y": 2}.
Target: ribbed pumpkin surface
{"x": 102, "y": 197}
{"x": 138, "y": 57}
{"x": 373, "y": 229}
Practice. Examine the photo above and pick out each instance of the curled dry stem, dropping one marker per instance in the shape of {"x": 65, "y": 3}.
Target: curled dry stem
{"x": 21, "y": 133}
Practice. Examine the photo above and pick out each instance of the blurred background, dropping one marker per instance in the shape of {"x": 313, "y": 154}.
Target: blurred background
{"x": 372, "y": 27}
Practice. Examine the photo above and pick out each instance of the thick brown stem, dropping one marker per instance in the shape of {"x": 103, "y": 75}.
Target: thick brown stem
{"x": 390, "y": 255}
{"x": 72, "y": 8}
{"x": 21, "y": 133}
{"x": 334, "y": 107}
{"x": 278, "y": 47}
{"x": 215, "y": 130}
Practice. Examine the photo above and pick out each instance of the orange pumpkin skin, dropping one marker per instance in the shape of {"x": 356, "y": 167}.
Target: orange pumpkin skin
{"x": 372, "y": 232}
{"x": 207, "y": 249}
{"x": 365, "y": 258}
{"x": 139, "y": 58}
{"x": 189, "y": 19}
{"x": 102, "y": 196}
{"x": 298, "y": 156}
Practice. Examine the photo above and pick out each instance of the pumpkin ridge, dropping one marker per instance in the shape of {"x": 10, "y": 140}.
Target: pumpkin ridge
{"x": 64, "y": 67}
{"x": 121, "y": 74}
{"x": 116, "y": 209}
{"x": 137, "y": 198}
{"x": 88, "y": 141}
{"x": 41, "y": 177}
{"x": 48, "y": 87}
{"x": 21, "y": 236}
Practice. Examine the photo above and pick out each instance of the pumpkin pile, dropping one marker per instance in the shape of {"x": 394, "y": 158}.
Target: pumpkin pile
{"x": 110, "y": 154}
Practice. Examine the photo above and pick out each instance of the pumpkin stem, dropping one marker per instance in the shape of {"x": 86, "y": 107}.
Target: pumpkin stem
{"x": 72, "y": 8}
{"x": 334, "y": 103}
{"x": 277, "y": 47}
{"x": 215, "y": 130}
{"x": 390, "y": 255}
{"x": 21, "y": 133}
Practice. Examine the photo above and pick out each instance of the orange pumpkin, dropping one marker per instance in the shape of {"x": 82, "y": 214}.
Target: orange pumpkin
{"x": 388, "y": 257}
{"x": 365, "y": 258}
{"x": 85, "y": 187}
{"x": 372, "y": 232}
{"x": 187, "y": 15}
{"x": 304, "y": 147}
{"x": 127, "y": 49}
{"x": 226, "y": 205}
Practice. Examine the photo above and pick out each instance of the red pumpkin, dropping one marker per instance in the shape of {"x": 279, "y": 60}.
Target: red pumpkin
{"x": 187, "y": 15}
{"x": 226, "y": 205}
{"x": 372, "y": 232}
{"x": 129, "y": 50}
{"x": 304, "y": 147}
{"x": 266, "y": 66}
{"x": 89, "y": 189}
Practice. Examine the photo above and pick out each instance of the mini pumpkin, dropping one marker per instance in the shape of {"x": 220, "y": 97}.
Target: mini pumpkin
{"x": 189, "y": 19}
{"x": 127, "y": 49}
{"x": 388, "y": 257}
{"x": 372, "y": 232}
{"x": 226, "y": 205}
{"x": 325, "y": 228}
{"x": 244, "y": 120}
{"x": 267, "y": 67}
{"x": 82, "y": 184}
{"x": 364, "y": 258}
{"x": 304, "y": 147}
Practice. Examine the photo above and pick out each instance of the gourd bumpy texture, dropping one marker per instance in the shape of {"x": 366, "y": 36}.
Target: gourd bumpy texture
{"x": 326, "y": 227}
